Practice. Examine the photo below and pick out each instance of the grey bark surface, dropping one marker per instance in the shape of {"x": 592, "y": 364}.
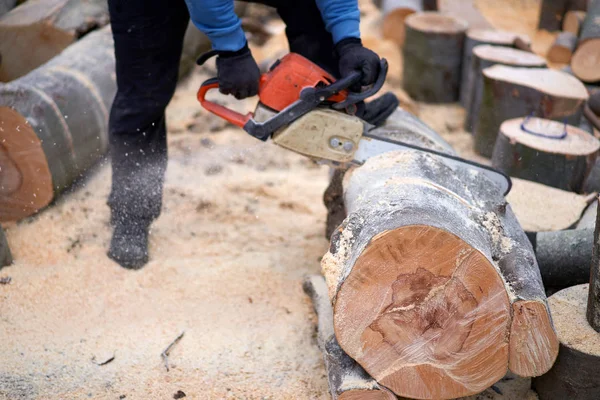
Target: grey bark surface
{"x": 5, "y": 255}
{"x": 432, "y": 63}
{"x": 466, "y": 80}
{"x": 34, "y": 32}
{"x": 503, "y": 100}
{"x": 563, "y": 47}
{"x": 343, "y": 373}
{"x": 593, "y": 307}
{"x": 475, "y": 77}
{"x": 67, "y": 103}
{"x": 591, "y": 25}
{"x": 594, "y": 102}
{"x": 6, "y": 6}
{"x": 563, "y": 171}
{"x": 564, "y": 256}
{"x": 592, "y": 183}
{"x": 588, "y": 218}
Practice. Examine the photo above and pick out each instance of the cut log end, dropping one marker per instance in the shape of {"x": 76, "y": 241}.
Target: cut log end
{"x": 508, "y": 56}
{"x": 586, "y": 61}
{"x": 434, "y": 22}
{"x": 533, "y": 342}
{"x": 367, "y": 395}
{"x": 26, "y": 180}
{"x": 562, "y": 49}
{"x": 429, "y": 308}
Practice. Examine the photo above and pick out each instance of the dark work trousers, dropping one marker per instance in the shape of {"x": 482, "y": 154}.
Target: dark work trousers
{"x": 148, "y": 37}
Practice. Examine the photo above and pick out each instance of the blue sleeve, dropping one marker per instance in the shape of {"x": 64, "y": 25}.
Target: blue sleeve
{"x": 217, "y": 20}
{"x": 342, "y": 18}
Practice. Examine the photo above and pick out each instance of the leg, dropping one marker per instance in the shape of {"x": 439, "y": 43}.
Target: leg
{"x": 148, "y": 38}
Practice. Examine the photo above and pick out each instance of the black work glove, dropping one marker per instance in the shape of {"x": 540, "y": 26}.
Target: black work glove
{"x": 238, "y": 73}
{"x": 354, "y": 57}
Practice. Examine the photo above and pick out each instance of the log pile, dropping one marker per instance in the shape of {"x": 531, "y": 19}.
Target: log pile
{"x": 38, "y": 30}
{"x": 544, "y": 151}
{"x": 435, "y": 288}
{"x": 510, "y": 92}
{"x": 54, "y": 124}
{"x": 432, "y": 55}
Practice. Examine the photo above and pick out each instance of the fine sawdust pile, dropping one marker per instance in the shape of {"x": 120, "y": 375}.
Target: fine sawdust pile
{"x": 242, "y": 223}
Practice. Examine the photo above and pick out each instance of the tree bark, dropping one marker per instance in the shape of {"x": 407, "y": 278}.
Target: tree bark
{"x": 594, "y": 103}
{"x": 552, "y": 12}
{"x": 395, "y": 13}
{"x": 586, "y": 62}
{"x": 593, "y": 306}
{"x": 575, "y": 375}
{"x": 553, "y": 160}
{"x": 38, "y": 30}
{"x": 5, "y": 255}
{"x": 510, "y": 92}
{"x": 485, "y": 56}
{"x": 434, "y": 283}
{"x": 563, "y": 256}
{"x": 430, "y": 5}
{"x": 476, "y": 37}
{"x": 55, "y": 123}
{"x": 573, "y": 21}
{"x": 588, "y": 218}
{"x": 347, "y": 379}
{"x": 563, "y": 47}
{"x": 6, "y": 6}
{"x": 432, "y": 57}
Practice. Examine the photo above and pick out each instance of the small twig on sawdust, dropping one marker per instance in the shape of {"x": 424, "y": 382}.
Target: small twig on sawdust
{"x": 165, "y": 353}
{"x": 5, "y": 280}
{"x": 103, "y": 362}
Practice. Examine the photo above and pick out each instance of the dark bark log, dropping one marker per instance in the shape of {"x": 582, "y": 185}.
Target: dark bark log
{"x": 347, "y": 379}
{"x": 516, "y": 92}
{"x": 476, "y": 37}
{"x": 573, "y": 21}
{"x": 485, "y": 56}
{"x": 432, "y": 57}
{"x": 430, "y": 5}
{"x": 55, "y": 122}
{"x": 5, "y": 255}
{"x": 563, "y": 256}
{"x": 395, "y": 13}
{"x": 551, "y": 14}
{"x": 585, "y": 62}
{"x": 575, "y": 375}
{"x": 592, "y": 183}
{"x": 561, "y": 163}
{"x": 38, "y": 30}
{"x": 588, "y": 218}
{"x": 563, "y": 47}
{"x": 594, "y": 103}
{"x": 593, "y": 307}
{"x": 413, "y": 222}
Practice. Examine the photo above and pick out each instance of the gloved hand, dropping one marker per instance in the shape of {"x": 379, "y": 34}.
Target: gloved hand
{"x": 354, "y": 57}
{"x": 238, "y": 73}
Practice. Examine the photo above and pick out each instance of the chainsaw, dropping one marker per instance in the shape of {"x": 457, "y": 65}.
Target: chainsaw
{"x": 306, "y": 110}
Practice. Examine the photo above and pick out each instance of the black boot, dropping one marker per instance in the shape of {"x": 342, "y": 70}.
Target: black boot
{"x": 129, "y": 244}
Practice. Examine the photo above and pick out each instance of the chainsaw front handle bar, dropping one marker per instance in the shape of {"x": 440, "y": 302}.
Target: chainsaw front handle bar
{"x": 234, "y": 117}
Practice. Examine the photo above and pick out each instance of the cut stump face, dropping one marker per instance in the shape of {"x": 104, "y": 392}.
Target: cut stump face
{"x": 426, "y": 314}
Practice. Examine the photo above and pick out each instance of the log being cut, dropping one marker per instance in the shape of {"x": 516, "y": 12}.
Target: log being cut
{"x": 54, "y": 124}
{"x": 586, "y": 60}
{"x": 347, "y": 380}
{"x": 476, "y": 37}
{"x": 435, "y": 286}
{"x": 485, "y": 56}
{"x": 432, "y": 55}
{"x": 545, "y": 151}
{"x": 510, "y": 92}
{"x": 38, "y": 30}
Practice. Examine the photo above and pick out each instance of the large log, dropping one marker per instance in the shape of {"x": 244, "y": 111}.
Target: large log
{"x": 395, "y": 13}
{"x": 5, "y": 255}
{"x": 347, "y": 380}
{"x": 432, "y": 55}
{"x": 545, "y": 151}
{"x": 586, "y": 60}
{"x": 510, "y": 92}
{"x": 485, "y": 56}
{"x": 54, "y": 124}
{"x": 476, "y": 37}
{"x": 38, "y": 30}
{"x": 435, "y": 286}
{"x": 562, "y": 49}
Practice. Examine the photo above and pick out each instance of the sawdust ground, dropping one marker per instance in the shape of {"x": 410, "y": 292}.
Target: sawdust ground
{"x": 242, "y": 223}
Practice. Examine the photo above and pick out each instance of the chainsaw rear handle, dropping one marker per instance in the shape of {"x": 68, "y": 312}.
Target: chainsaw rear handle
{"x": 355, "y": 97}
{"x": 227, "y": 114}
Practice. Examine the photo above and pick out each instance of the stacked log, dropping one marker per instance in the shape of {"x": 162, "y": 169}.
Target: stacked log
{"x": 38, "y": 30}
{"x": 510, "y": 92}
{"x": 563, "y": 47}
{"x": 485, "y": 56}
{"x": 5, "y": 255}
{"x": 573, "y": 21}
{"x": 545, "y": 151}
{"x": 432, "y": 57}
{"x": 576, "y": 314}
{"x": 476, "y": 37}
{"x": 586, "y": 60}
{"x": 54, "y": 124}
{"x": 434, "y": 284}
{"x": 553, "y": 11}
